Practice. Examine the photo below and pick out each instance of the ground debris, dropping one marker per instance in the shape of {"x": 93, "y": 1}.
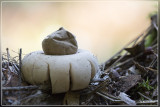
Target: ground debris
{"x": 124, "y": 97}
{"x": 131, "y": 74}
{"x": 136, "y": 49}
{"x": 127, "y": 82}
{"x": 148, "y": 102}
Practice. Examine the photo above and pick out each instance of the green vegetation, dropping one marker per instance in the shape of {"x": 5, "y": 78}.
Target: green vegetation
{"x": 145, "y": 85}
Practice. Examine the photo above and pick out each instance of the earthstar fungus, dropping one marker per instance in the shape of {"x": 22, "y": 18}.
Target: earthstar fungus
{"x": 62, "y": 69}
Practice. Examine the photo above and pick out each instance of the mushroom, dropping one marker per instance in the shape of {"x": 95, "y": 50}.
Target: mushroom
{"x": 62, "y": 73}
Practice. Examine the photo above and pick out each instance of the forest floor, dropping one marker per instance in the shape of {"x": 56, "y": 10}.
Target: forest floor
{"x": 130, "y": 77}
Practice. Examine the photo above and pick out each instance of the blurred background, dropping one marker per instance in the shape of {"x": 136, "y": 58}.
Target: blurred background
{"x": 100, "y": 27}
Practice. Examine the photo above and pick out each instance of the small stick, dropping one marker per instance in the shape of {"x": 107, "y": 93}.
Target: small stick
{"x": 103, "y": 84}
{"x": 19, "y": 97}
{"x": 16, "y": 67}
{"x": 31, "y": 96}
{"x": 130, "y": 59}
{"x": 115, "y": 62}
{"x": 152, "y": 63}
{"x": 8, "y": 56}
{"x": 146, "y": 102}
{"x": 17, "y": 52}
{"x": 151, "y": 69}
{"x": 14, "y": 70}
{"x": 109, "y": 95}
{"x": 20, "y": 63}
{"x": 154, "y": 46}
{"x": 20, "y": 88}
{"x": 108, "y": 98}
{"x": 144, "y": 96}
{"x": 89, "y": 100}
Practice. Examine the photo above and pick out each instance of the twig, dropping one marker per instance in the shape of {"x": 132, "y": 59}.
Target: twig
{"x": 103, "y": 84}
{"x": 16, "y": 67}
{"x": 20, "y": 88}
{"x": 130, "y": 59}
{"x": 144, "y": 96}
{"x": 146, "y": 102}
{"x": 108, "y": 98}
{"x": 14, "y": 70}
{"x": 8, "y": 57}
{"x": 140, "y": 67}
{"x": 151, "y": 65}
{"x": 151, "y": 69}
{"x": 20, "y": 53}
{"x": 123, "y": 63}
{"x": 153, "y": 62}
{"x": 17, "y": 52}
{"x": 89, "y": 100}
{"x": 37, "y": 94}
{"x": 154, "y": 41}
{"x": 115, "y": 62}
{"x": 155, "y": 92}
{"x": 154, "y": 81}
{"x": 94, "y": 102}
{"x": 109, "y": 95}
{"x": 154, "y": 46}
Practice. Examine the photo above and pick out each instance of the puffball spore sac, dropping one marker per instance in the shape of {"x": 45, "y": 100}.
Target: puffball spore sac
{"x": 60, "y": 42}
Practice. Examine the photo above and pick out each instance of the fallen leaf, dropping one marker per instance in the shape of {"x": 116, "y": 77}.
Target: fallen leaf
{"x": 140, "y": 47}
{"x": 127, "y": 82}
